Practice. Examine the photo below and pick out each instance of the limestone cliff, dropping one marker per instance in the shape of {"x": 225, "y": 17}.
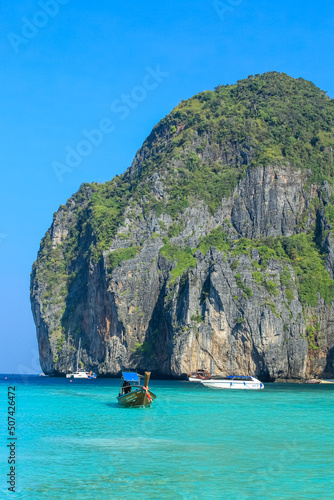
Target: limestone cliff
{"x": 213, "y": 250}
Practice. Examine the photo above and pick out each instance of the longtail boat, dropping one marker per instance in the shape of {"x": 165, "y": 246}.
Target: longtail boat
{"x": 132, "y": 394}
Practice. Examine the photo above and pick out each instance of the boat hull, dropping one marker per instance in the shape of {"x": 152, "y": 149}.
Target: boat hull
{"x": 136, "y": 399}
{"x": 233, "y": 384}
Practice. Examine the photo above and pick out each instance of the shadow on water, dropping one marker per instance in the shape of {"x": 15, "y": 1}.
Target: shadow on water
{"x": 112, "y": 405}
{"x": 116, "y": 405}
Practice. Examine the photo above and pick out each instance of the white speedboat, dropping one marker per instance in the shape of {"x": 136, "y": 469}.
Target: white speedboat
{"x": 233, "y": 382}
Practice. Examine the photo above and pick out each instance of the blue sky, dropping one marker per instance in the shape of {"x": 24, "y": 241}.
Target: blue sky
{"x": 64, "y": 68}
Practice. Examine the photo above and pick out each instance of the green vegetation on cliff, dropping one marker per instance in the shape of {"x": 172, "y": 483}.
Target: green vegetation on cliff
{"x": 183, "y": 257}
{"x": 120, "y": 255}
{"x": 305, "y": 258}
{"x": 266, "y": 119}
{"x": 300, "y": 251}
{"x": 217, "y": 238}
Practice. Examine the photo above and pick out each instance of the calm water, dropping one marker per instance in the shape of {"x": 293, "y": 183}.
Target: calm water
{"x": 194, "y": 443}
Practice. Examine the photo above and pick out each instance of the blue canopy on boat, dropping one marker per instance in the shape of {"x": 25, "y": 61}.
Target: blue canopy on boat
{"x": 239, "y": 376}
{"x": 130, "y": 376}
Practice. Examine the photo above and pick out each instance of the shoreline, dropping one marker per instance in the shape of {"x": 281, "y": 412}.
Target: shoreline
{"x": 8, "y": 376}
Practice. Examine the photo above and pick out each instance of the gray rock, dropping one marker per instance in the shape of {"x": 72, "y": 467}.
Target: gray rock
{"x": 138, "y": 317}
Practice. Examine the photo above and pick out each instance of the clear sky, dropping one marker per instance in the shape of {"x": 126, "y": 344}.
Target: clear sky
{"x": 65, "y": 67}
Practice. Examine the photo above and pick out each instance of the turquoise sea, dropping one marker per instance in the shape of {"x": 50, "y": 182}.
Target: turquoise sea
{"x": 74, "y": 442}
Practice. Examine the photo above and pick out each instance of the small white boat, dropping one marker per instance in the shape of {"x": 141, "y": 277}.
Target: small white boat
{"x": 80, "y": 373}
{"x": 234, "y": 382}
{"x": 77, "y": 375}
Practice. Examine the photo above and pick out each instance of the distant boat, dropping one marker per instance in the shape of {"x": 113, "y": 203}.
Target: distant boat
{"x": 132, "y": 394}
{"x": 80, "y": 373}
{"x": 313, "y": 381}
{"x": 198, "y": 375}
{"x": 234, "y": 382}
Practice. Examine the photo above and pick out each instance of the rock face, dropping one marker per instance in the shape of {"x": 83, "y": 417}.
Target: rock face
{"x": 164, "y": 296}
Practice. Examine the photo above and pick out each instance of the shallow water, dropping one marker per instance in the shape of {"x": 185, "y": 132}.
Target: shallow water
{"x": 74, "y": 442}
